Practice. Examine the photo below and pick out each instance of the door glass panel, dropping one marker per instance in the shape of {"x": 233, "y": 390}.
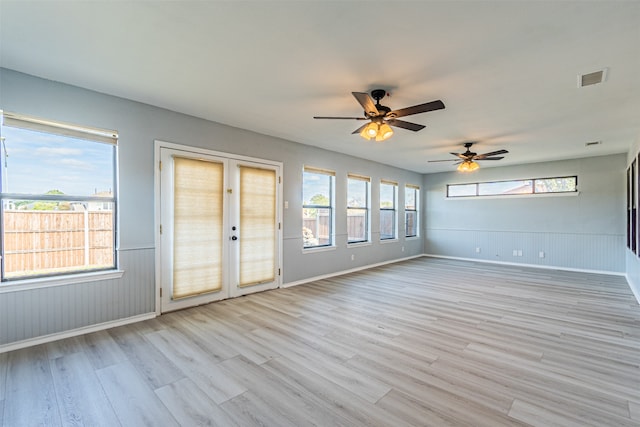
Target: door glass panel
{"x": 257, "y": 226}
{"x": 197, "y": 230}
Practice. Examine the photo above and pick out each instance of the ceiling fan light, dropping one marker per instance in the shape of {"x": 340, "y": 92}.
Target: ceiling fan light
{"x": 370, "y": 131}
{"x": 468, "y": 166}
{"x": 384, "y": 133}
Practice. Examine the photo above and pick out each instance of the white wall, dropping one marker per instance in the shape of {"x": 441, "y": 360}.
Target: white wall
{"x": 138, "y": 126}
{"x": 584, "y": 231}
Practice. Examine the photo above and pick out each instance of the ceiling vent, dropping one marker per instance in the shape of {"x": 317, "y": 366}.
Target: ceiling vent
{"x": 592, "y": 78}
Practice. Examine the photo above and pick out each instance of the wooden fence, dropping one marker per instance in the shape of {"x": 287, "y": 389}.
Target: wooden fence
{"x": 319, "y": 226}
{"x": 49, "y": 241}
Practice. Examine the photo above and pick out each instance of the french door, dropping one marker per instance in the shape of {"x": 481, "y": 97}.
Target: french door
{"x": 220, "y": 226}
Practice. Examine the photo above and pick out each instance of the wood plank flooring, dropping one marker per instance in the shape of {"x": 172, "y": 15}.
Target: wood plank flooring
{"x": 426, "y": 342}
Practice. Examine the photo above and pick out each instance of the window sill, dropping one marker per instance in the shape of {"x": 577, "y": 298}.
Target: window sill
{"x": 319, "y": 249}
{"x": 412, "y": 238}
{"x": 358, "y": 244}
{"x": 70, "y": 279}
{"x": 394, "y": 240}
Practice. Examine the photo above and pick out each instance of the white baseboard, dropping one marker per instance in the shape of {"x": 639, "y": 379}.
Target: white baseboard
{"x": 518, "y": 264}
{"x": 340, "y": 273}
{"x": 634, "y": 288}
{"x": 74, "y": 332}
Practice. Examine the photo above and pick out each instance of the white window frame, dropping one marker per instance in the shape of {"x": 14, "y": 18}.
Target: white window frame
{"x": 533, "y": 191}
{"x": 366, "y": 208}
{"x": 78, "y": 275}
{"x": 331, "y": 207}
{"x": 394, "y": 209}
{"x": 416, "y": 209}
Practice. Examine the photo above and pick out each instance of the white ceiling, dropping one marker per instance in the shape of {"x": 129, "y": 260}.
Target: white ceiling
{"x": 506, "y": 71}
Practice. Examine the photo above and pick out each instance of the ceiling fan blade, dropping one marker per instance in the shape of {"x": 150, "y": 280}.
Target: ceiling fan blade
{"x": 360, "y": 129}
{"x": 449, "y": 160}
{"x": 489, "y": 158}
{"x": 405, "y": 125}
{"x": 340, "y": 118}
{"x": 367, "y": 103}
{"x": 416, "y": 109}
{"x": 493, "y": 153}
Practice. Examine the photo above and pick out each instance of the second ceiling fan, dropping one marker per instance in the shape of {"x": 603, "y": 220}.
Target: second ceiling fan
{"x": 381, "y": 117}
{"x": 467, "y": 161}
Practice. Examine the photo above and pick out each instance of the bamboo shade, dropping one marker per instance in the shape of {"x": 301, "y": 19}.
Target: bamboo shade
{"x": 358, "y": 177}
{"x": 257, "y": 226}
{"x": 311, "y": 169}
{"x": 60, "y": 128}
{"x": 197, "y": 228}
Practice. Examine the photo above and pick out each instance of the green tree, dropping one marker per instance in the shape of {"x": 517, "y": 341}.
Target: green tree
{"x": 49, "y": 205}
{"x": 44, "y": 206}
{"x": 318, "y": 199}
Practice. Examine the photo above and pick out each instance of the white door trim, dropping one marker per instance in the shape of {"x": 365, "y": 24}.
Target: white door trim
{"x": 158, "y": 146}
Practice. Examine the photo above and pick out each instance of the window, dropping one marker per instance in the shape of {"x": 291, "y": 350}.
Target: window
{"x": 58, "y": 198}
{"x": 505, "y": 188}
{"x": 411, "y": 202}
{"x": 317, "y": 207}
{"x": 567, "y": 184}
{"x": 632, "y": 219}
{"x": 388, "y": 222}
{"x": 357, "y": 208}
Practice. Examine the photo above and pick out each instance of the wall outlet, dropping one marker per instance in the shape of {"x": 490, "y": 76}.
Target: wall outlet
{"x": 286, "y": 204}
{"x": 403, "y": 249}
{"x": 519, "y": 252}
{"x": 515, "y": 252}
{"x": 541, "y": 254}
{"x": 477, "y": 250}
{"x": 353, "y": 257}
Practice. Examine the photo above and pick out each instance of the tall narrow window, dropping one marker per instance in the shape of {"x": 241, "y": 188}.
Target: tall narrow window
{"x": 411, "y": 202}
{"x": 388, "y": 215}
{"x": 629, "y": 207}
{"x": 317, "y": 207}
{"x": 58, "y": 197}
{"x": 633, "y": 207}
{"x": 357, "y": 208}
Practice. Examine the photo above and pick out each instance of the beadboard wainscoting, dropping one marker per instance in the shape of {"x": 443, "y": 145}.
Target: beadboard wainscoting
{"x": 33, "y": 313}
{"x": 590, "y": 252}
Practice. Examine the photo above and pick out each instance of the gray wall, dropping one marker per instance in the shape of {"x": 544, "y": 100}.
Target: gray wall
{"x": 68, "y": 307}
{"x": 582, "y": 232}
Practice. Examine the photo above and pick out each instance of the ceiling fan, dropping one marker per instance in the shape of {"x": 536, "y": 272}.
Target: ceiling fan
{"x": 381, "y": 118}
{"x": 467, "y": 161}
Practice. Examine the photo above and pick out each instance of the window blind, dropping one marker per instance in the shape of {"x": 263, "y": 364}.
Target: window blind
{"x": 59, "y": 128}
{"x": 257, "y": 226}
{"x": 358, "y": 177}
{"x": 311, "y": 169}
{"x": 197, "y": 227}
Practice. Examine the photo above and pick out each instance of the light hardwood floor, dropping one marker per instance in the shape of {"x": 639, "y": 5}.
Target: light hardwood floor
{"x": 427, "y": 342}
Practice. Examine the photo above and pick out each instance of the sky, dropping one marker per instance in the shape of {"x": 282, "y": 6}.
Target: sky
{"x": 34, "y": 163}
{"x": 315, "y": 183}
